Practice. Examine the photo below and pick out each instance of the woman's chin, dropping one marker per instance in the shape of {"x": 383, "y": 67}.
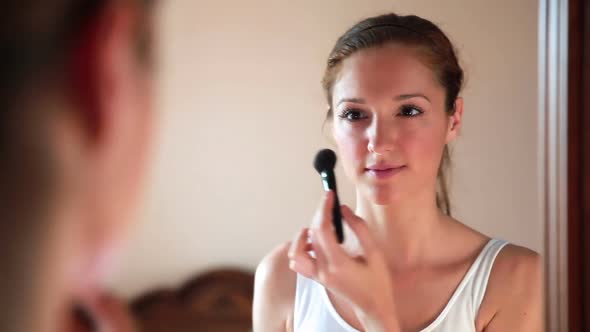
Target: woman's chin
{"x": 382, "y": 200}
{"x": 382, "y": 196}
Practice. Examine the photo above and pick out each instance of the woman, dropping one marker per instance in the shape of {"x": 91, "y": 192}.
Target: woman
{"x": 392, "y": 85}
{"x": 75, "y": 128}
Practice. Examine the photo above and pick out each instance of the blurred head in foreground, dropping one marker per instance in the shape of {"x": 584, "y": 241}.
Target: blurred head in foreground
{"x": 75, "y": 129}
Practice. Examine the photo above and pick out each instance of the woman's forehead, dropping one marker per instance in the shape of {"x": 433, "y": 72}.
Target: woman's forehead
{"x": 387, "y": 69}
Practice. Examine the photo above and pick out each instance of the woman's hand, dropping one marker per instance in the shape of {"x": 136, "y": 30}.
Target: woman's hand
{"x": 363, "y": 280}
{"x": 106, "y": 313}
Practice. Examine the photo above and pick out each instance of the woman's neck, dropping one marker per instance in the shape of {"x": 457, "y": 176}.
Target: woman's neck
{"x": 405, "y": 230}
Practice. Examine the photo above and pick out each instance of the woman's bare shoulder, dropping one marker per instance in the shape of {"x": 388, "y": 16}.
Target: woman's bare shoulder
{"x": 516, "y": 268}
{"x": 274, "y": 291}
{"x": 514, "y": 292}
{"x": 273, "y": 272}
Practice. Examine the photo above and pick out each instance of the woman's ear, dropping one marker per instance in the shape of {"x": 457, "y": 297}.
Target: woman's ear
{"x": 97, "y": 60}
{"x": 455, "y": 121}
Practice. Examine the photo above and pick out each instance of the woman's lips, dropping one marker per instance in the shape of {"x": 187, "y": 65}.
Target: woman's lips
{"x": 383, "y": 171}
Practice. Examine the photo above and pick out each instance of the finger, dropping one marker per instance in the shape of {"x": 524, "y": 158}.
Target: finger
{"x": 322, "y": 218}
{"x": 301, "y": 244}
{"x": 305, "y": 266}
{"x": 81, "y": 320}
{"x": 308, "y": 248}
{"x": 326, "y": 236}
{"x": 318, "y": 252}
{"x": 324, "y": 210}
{"x": 330, "y": 265}
{"x": 122, "y": 320}
{"x": 113, "y": 314}
{"x": 322, "y": 215}
{"x": 326, "y": 239}
{"x": 300, "y": 260}
{"x": 360, "y": 229}
{"x": 300, "y": 240}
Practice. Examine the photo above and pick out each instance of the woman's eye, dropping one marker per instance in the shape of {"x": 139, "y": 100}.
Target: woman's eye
{"x": 353, "y": 115}
{"x": 410, "y": 111}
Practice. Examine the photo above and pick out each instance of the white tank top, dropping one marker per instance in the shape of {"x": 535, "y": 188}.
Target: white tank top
{"x": 314, "y": 312}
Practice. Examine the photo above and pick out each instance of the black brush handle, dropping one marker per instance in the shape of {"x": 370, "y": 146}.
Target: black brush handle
{"x": 329, "y": 181}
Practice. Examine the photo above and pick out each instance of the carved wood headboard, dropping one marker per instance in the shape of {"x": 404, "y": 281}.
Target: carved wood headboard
{"x": 219, "y": 300}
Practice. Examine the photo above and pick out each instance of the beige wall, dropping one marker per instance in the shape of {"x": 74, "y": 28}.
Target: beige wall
{"x": 241, "y": 110}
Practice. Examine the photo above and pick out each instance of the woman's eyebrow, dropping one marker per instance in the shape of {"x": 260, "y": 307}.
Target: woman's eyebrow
{"x": 411, "y": 95}
{"x": 351, "y": 100}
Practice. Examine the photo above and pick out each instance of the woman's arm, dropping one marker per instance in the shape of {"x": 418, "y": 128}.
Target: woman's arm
{"x": 516, "y": 285}
{"x": 274, "y": 293}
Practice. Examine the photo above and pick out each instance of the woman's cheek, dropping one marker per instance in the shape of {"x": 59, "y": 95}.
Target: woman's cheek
{"x": 424, "y": 151}
{"x": 352, "y": 151}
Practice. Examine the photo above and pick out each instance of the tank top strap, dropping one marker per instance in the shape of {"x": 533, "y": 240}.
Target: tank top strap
{"x": 482, "y": 269}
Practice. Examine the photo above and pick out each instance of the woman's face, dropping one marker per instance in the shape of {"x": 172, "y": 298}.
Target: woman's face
{"x": 389, "y": 123}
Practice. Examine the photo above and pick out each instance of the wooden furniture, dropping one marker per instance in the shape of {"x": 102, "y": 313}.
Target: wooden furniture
{"x": 216, "y": 301}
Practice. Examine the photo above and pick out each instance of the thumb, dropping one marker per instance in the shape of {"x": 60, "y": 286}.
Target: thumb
{"x": 113, "y": 315}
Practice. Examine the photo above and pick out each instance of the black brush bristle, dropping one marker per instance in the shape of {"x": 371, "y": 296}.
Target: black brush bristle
{"x": 324, "y": 160}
